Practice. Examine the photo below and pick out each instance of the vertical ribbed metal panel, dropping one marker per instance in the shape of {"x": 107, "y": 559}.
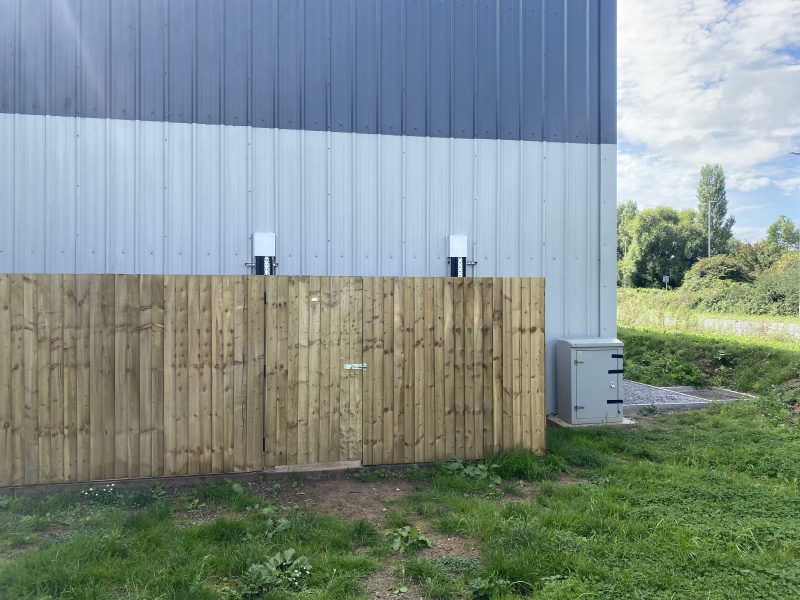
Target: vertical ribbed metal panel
{"x": 508, "y": 69}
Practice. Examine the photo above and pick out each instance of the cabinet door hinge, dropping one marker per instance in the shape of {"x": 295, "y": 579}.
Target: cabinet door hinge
{"x": 265, "y": 297}
{"x": 264, "y": 444}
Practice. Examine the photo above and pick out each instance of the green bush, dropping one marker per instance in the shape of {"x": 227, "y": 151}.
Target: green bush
{"x": 717, "y": 268}
{"x": 728, "y": 284}
{"x": 776, "y": 291}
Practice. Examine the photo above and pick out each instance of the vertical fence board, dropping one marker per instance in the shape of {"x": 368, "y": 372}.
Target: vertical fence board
{"x": 418, "y": 344}
{"x": 155, "y": 332}
{"x": 314, "y": 323}
{"x": 143, "y": 320}
{"x": 122, "y": 435}
{"x": 293, "y": 370}
{"x": 367, "y": 439}
{"x": 508, "y": 365}
{"x": 83, "y": 289}
{"x": 272, "y": 353}
{"x": 376, "y": 370}
{"x": 439, "y": 369}
{"x": 458, "y": 365}
{"x": 194, "y": 375}
{"x": 356, "y": 355}
{"x": 255, "y": 373}
{"x": 204, "y": 372}
{"x": 408, "y": 370}
{"x": 6, "y": 402}
{"x": 281, "y": 452}
{"x": 96, "y": 392}
{"x": 429, "y": 416}
{"x": 524, "y": 362}
{"x": 228, "y": 369}
{"x": 449, "y": 368}
{"x": 217, "y": 374}
{"x": 469, "y": 369}
{"x": 43, "y": 317}
{"x": 69, "y": 378}
{"x": 170, "y": 412}
{"x": 487, "y": 293}
{"x": 516, "y": 320}
{"x": 477, "y": 371}
{"x": 182, "y": 368}
{"x": 55, "y": 376}
{"x": 497, "y": 364}
{"x": 537, "y": 367}
{"x": 398, "y": 425}
{"x": 302, "y": 369}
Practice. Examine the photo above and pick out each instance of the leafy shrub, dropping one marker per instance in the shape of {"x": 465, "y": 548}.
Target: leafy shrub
{"x": 405, "y": 539}
{"x": 485, "y": 588}
{"x": 731, "y": 284}
{"x": 479, "y": 471}
{"x": 717, "y": 268}
{"x": 776, "y": 291}
{"x": 282, "y": 570}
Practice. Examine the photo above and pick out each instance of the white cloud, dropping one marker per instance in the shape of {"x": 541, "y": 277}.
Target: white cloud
{"x": 707, "y": 81}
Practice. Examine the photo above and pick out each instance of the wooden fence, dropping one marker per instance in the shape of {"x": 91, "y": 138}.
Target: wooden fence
{"x": 105, "y": 377}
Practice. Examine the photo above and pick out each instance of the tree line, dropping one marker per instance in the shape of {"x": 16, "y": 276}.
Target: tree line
{"x": 696, "y": 249}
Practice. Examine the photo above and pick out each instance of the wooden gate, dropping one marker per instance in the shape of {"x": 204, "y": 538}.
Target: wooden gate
{"x": 314, "y": 341}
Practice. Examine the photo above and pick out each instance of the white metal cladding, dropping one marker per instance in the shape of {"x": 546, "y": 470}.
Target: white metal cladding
{"x": 114, "y": 196}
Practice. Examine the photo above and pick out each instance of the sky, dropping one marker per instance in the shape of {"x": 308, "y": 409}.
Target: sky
{"x": 711, "y": 81}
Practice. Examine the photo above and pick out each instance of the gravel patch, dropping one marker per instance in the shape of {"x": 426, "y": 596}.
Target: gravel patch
{"x": 640, "y": 393}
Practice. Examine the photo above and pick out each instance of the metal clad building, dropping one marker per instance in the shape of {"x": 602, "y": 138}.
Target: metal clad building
{"x": 155, "y": 136}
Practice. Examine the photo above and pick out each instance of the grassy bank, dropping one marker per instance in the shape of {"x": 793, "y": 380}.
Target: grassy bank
{"x": 744, "y": 364}
{"x": 662, "y": 310}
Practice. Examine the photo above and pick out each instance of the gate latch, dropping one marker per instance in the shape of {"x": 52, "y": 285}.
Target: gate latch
{"x": 355, "y": 367}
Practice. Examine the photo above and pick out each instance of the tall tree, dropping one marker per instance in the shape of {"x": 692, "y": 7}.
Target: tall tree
{"x": 713, "y": 201}
{"x": 626, "y": 211}
{"x": 783, "y": 235}
{"x": 664, "y": 241}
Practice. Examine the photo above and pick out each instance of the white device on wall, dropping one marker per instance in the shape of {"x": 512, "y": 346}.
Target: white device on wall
{"x": 457, "y": 255}
{"x": 589, "y": 373}
{"x": 264, "y": 252}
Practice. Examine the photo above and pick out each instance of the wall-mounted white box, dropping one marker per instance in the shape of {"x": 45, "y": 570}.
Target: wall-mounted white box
{"x": 264, "y": 243}
{"x": 457, "y": 246}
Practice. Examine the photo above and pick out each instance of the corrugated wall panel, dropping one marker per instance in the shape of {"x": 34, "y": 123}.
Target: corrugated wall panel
{"x": 442, "y": 68}
{"x": 8, "y": 167}
{"x": 60, "y": 191}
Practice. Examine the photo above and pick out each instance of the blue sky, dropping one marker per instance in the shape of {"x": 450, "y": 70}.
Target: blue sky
{"x": 711, "y": 81}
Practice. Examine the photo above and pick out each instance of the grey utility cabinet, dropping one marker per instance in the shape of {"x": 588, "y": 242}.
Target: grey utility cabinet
{"x": 589, "y": 375}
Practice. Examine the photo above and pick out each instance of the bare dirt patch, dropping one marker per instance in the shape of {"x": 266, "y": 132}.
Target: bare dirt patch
{"x": 340, "y": 495}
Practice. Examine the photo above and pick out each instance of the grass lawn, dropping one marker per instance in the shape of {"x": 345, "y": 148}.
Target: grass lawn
{"x": 743, "y": 364}
{"x": 701, "y": 504}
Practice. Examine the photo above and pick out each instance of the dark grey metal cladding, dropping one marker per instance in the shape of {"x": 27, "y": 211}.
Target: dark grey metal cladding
{"x": 509, "y": 69}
